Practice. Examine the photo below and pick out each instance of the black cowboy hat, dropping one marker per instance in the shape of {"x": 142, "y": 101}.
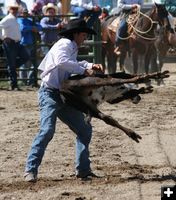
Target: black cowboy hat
{"x": 76, "y": 25}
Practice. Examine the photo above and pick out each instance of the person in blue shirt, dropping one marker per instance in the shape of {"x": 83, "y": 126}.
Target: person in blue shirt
{"x": 29, "y": 29}
{"x": 126, "y": 7}
{"x": 51, "y": 25}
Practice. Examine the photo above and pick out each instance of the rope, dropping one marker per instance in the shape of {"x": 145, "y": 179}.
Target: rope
{"x": 146, "y": 38}
{"x": 137, "y": 31}
{"x": 151, "y": 22}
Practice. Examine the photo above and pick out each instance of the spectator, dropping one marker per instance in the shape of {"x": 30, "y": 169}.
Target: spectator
{"x": 38, "y": 5}
{"x": 126, "y": 7}
{"x": 50, "y": 25}
{"x": 28, "y": 31}
{"x": 11, "y": 36}
{"x": 58, "y": 65}
{"x": 36, "y": 9}
{"x": 89, "y": 10}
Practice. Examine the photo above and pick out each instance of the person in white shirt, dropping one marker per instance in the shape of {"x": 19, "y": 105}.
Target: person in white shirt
{"x": 11, "y": 36}
{"x": 89, "y": 9}
{"x": 58, "y": 65}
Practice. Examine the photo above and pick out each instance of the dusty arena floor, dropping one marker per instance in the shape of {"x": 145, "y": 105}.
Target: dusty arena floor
{"x": 129, "y": 171}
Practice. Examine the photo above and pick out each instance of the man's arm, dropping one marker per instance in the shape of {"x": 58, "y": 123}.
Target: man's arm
{"x": 123, "y": 6}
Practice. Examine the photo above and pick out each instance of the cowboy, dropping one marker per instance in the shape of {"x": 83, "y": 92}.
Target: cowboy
{"x": 11, "y": 36}
{"x": 126, "y": 7}
{"x": 29, "y": 30}
{"x": 88, "y": 9}
{"x": 58, "y": 65}
{"x": 50, "y": 24}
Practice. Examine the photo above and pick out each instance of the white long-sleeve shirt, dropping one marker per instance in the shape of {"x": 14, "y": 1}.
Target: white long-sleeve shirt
{"x": 60, "y": 62}
{"x": 10, "y": 28}
{"x": 87, "y": 4}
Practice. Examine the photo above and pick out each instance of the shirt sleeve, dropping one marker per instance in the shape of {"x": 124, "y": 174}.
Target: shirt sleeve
{"x": 45, "y": 25}
{"x": 4, "y": 23}
{"x": 124, "y": 6}
{"x": 85, "y": 64}
{"x": 66, "y": 61}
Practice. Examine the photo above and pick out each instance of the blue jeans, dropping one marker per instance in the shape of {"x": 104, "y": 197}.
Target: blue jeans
{"x": 122, "y": 31}
{"x": 16, "y": 56}
{"x": 51, "y": 107}
{"x": 32, "y": 76}
{"x": 82, "y": 12}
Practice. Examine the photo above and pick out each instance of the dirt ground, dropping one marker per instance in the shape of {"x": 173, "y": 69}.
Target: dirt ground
{"x": 127, "y": 170}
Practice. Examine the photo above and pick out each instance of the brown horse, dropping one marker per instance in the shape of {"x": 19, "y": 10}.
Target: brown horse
{"x": 141, "y": 39}
{"x": 165, "y": 42}
{"x": 108, "y": 35}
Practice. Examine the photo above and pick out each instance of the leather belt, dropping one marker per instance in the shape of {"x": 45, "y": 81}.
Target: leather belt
{"x": 45, "y": 85}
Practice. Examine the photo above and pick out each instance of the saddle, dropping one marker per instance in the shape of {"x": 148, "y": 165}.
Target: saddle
{"x": 114, "y": 24}
{"x": 132, "y": 19}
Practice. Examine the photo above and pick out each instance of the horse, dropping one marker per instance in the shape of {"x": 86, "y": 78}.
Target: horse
{"x": 164, "y": 44}
{"x": 108, "y": 35}
{"x": 166, "y": 41}
{"x": 140, "y": 40}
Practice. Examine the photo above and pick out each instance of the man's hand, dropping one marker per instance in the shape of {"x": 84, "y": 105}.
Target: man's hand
{"x": 98, "y": 67}
{"x": 135, "y": 7}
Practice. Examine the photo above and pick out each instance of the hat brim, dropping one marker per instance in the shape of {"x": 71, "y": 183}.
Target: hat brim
{"x": 74, "y": 30}
{"x": 45, "y": 8}
{"x": 13, "y": 6}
